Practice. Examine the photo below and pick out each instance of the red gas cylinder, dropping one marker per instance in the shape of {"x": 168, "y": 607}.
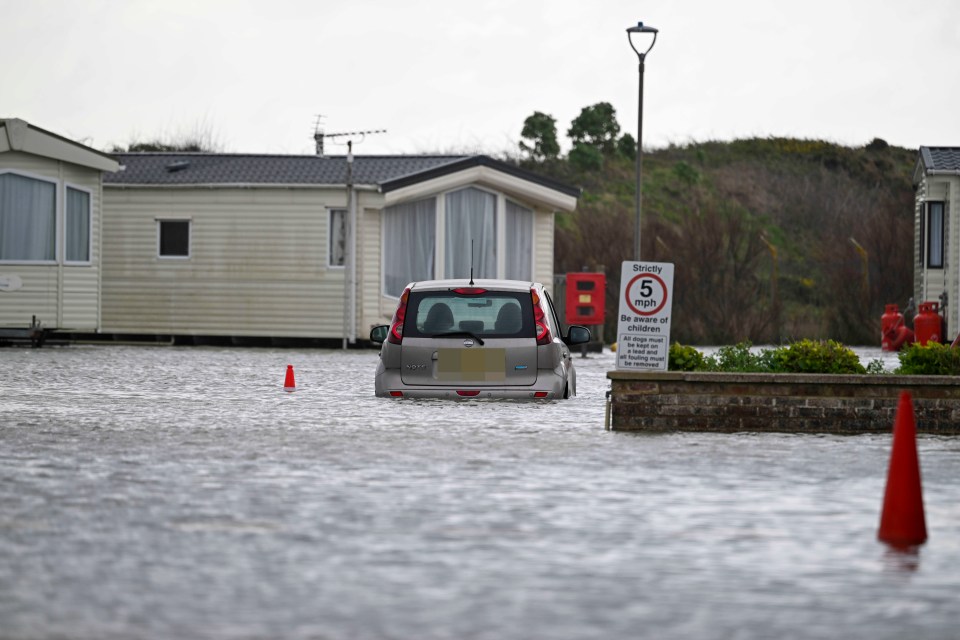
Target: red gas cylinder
{"x": 889, "y": 322}
{"x": 927, "y": 323}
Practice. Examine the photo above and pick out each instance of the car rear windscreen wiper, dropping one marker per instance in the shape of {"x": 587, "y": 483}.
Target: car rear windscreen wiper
{"x": 459, "y": 334}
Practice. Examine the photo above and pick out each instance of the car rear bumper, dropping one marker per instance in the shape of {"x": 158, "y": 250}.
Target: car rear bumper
{"x": 549, "y": 386}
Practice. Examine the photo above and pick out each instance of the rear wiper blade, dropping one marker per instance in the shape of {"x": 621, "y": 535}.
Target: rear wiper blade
{"x": 459, "y": 334}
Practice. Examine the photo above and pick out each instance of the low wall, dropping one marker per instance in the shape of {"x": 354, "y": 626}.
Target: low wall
{"x": 794, "y": 403}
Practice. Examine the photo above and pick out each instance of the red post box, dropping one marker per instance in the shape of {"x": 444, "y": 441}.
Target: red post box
{"x": 586, "y": 296}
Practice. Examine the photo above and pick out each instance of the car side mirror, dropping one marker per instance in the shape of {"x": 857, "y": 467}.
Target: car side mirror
{"x": 577, "y": 335}
{"x": 379, "y": 333}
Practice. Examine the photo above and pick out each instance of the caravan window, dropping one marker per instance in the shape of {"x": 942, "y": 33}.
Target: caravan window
{"x": 174, "y": 238}
{"x": 28, "y": 219}
{"x": 77, "y": 235}
{"x": 935, "y": 235}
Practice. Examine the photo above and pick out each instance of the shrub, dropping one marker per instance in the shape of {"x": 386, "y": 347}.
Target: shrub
{"x": 585, "y": 158}
{"x": 740, "y": 359}
{"x": 805, "y": 356}
{"x": 809, "y": 356}
{"x": 932, "y": 359}
{"x": 683, "y": 358}
{"x": 876, "y": 367}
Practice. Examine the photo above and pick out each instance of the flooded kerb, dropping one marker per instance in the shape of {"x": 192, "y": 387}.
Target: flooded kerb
{"x": 181, "y": 492}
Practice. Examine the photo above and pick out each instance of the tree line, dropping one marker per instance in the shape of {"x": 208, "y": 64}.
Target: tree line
{"x": 774, "y": 239}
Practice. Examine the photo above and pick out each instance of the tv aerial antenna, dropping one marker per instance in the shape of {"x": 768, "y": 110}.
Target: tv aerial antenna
{"x": 319, "y": 135}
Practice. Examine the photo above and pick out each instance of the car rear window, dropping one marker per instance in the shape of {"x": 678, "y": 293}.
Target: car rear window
{"x": 503, "y": 314}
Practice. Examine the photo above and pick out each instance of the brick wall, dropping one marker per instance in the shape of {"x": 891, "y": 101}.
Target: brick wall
{"x": 796, "y": 403}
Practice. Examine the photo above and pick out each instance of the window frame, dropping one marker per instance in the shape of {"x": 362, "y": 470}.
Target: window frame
{"x": 531, "y": 257}
{"x": 501, "y": 204}
{"x": 66, "y": 213}
{"x": 498, "y": 233}
{"x": 189, "y": 254}
{"x": 923, "y": 239}
{"x": 57, "y": 198}
{"x": 331, "y": 215}
{"x": 455, "y": 301}
{"x": 930, "y": 244}
{"x": 435, "y": 199}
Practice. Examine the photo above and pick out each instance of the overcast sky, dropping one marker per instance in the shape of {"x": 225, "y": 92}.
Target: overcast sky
{"x": 454, "y": 76}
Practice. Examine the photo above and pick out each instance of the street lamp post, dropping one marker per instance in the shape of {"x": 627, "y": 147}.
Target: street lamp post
{"x": 640, "y": 28}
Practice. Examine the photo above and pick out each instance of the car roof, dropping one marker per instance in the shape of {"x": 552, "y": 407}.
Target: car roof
{"x": 480, "y": 283}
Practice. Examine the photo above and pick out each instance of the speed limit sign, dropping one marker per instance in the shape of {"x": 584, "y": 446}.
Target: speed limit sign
{"x": 643, "y": 327}
{"x": 646, "y": 294}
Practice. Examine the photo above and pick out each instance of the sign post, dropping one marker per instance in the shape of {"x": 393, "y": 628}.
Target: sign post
{"x": 643, "y": 325}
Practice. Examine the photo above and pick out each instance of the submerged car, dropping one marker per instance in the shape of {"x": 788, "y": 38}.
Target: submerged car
{"x": 476, "y": 339}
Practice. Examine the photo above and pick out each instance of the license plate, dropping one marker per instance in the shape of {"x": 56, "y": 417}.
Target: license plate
{"x": 472, "y": 365}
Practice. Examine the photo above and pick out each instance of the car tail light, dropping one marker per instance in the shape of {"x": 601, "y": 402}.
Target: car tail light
{"x": 469, "y": 291}
{"x": 468, "y": 394}
{"x": 540, "y": 318}
{"x": 540, "y": 394}
{"x": 396, "y": 325}
{"x": 396, "y": 394}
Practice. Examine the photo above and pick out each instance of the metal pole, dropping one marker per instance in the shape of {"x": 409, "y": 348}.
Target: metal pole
{"x": 639, "y": 199}
{"x": 349, "y": 288}
{"x": 641, "y": 56}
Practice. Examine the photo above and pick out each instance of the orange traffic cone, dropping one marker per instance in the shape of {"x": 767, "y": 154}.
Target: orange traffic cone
{"x": 902, "y": 523}
{"x": 288, "y": 382}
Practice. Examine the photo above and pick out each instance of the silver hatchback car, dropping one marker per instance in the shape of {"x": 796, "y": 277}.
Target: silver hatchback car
{"x": 476, "y": 339}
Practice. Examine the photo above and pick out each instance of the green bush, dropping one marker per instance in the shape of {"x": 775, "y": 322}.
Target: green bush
{"x": 740, "y": 359}
{"x": 683, "y": 358}
{"x": 810, "y": 356}
{"x": 805, "y": 356}
{"x": 584, "y": 157}
{"x": 876, "y": 367}
{"x": 932, "y": 359}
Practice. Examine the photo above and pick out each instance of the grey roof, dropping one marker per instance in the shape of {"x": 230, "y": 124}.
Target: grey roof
{"x": 936, "y": 160}
{"x": 385, "y": 172}
{"x": 940, "y": 158}
{"x": 222, "y": 168}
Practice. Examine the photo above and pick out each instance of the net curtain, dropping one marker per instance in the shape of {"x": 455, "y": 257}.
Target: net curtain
{"x": 470, "y": 229}
{"x": 519, "y": 250}
{"x": 78, "y": 226}
{"x": 28, "y": 218}
{"x": 470, "y": 237}
{"x": 409, "y": 238}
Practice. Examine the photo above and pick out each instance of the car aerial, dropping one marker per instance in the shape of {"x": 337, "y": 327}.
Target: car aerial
{"x": 476, "y": 339}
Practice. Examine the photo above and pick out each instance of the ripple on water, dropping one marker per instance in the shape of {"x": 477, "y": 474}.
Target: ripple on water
{"x": 166, "y": 492}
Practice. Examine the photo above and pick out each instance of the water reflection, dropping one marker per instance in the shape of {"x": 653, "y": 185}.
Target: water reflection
{"x": 901, "y": 559}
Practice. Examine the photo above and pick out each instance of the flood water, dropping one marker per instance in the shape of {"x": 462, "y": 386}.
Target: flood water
{"x": 162, "y": 492}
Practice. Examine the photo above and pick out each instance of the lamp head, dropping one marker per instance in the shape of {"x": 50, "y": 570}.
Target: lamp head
{"x": 642, "y": 28}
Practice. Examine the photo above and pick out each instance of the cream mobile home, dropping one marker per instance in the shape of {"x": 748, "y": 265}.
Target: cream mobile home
{"x": 50, "y": 252}
{"x": 936, "y": 181}
{"x": 204, "y": 247}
